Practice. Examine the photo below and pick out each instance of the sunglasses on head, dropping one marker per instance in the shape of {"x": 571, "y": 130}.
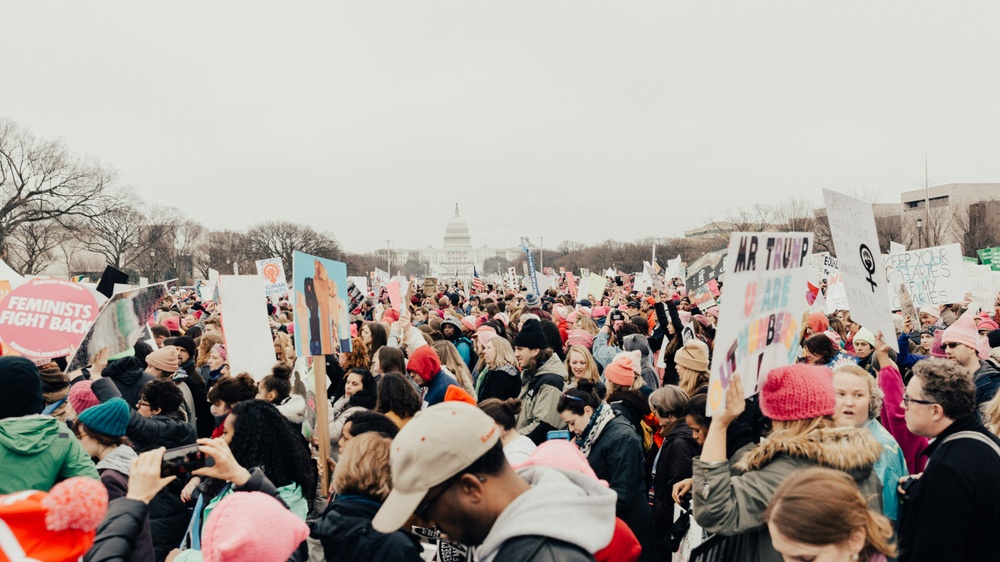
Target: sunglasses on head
{"x": 567, "y": 397}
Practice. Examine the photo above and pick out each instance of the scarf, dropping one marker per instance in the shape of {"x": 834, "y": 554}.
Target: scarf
{"x": 600, "y": 418}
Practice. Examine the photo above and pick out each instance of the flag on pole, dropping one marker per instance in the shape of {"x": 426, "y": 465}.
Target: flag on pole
{"x": 477, "y": 284}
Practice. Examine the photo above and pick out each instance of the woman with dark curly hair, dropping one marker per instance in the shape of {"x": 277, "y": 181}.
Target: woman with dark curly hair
{"x": 258, "y": 436}
{"x": 398, "y": 398}
{"x": 360, "y": 393}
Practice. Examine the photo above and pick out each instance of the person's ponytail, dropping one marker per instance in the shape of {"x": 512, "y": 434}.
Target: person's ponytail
{"x": 879, "y": 531}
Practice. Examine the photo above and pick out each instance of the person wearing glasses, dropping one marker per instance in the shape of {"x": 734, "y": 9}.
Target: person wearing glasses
{"x": 952, "y": 510}
{"x": 961, "y": 342}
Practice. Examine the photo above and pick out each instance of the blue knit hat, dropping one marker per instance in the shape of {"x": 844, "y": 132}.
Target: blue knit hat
{"x": 110, "y": 418}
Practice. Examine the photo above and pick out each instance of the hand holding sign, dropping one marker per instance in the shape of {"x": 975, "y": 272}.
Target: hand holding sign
{"x": 735, "y": 403}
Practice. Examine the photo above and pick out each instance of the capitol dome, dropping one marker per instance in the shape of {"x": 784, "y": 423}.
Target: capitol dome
{"x": 456, "y": 235}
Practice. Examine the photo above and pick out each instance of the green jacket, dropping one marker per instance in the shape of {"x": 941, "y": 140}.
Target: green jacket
{"x": 38, "y": 451}
{"x": 734, "y": 505}
{"x": 540, "y": 393}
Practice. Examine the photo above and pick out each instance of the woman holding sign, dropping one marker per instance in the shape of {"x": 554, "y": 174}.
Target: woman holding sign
{"x": 800, "y": 401}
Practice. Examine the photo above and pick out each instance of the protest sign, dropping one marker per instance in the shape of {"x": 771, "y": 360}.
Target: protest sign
{"x": 852, "y": 225}
{"x": 246, "y": 326}
{"x": 531, "y": 266}
{"x": 5, "y": 288}
{"x": 596, "y": 286}
{"x": 984, "y": 284}
{"x": 571, "y": 283}
{"x": 120, "y": 323}
{"x": 360, "y": 281}
{"x": 395, "y": 295}
{"x": 896, "y": 248}
{"x": 933, "y": 276}
{"x": 46, "y": 318}
{"x": 836, "y": 293}
{"x": 760, "y": 324}
{"x": 106, "y": 286}
{"x": 354, "y": 295}
{"x": 906, "y": 303}
{"x": 701, "y": 297}
{"x": 321, "y": 315}
{"x": 990, "y": 257}
{"x": 273, "y": 270}
{"x": 674, "y": 269}
{"x": 430, "y": 286}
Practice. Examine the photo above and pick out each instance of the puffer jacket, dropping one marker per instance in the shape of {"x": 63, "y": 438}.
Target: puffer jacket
{"x": 540, "y": 393}
{"x": 733, "y": 506}
{"x": 38, "y": 451}
{"x": 346, "y": 533}
{"x": 501, "y": 383}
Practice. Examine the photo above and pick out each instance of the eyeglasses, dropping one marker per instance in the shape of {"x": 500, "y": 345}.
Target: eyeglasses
{"x": 907, "y": 400}
{"x": 951, "y": 344}
{"x": 566, "y": 397}
{"x": 141, "y": 403}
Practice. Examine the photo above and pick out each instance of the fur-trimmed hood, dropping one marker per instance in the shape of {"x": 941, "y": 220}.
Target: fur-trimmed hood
{"x": 293, "y": 408}
{"x": 850, "y": 449}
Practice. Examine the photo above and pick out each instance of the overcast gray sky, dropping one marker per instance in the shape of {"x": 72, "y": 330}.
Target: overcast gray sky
{"x": 568, "y": 120}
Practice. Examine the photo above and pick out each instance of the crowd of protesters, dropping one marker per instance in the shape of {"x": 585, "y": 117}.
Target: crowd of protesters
{"x": 508, "y": 425}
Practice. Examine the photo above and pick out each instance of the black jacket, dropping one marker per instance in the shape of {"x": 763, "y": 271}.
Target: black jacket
{"x": 987, "y": 380}
{"x": 500, "y": 383}
{"x": 953, "y": 510}
{"x": 168, "y": 516}
{"x": 129, "y": 377}
{"x": 673, "y": 464}
{"x": 199, "y": 392}
{"x": 346, "y": 533}
{"x": 150, "y": 433}
{"x": 117, "y": 533}
{"x": 532, "y": 548}
{"x": 616, "y": 457}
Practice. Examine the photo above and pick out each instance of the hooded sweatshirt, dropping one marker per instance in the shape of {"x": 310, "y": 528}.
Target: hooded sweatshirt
{"x": 556, "y": 496}
{"x": 128, "y": 375}
{"x": 38, "y": 451}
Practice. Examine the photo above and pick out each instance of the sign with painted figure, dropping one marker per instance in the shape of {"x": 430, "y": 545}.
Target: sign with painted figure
{"x": 322, "y": 323}
{"x": 246, "y": 325}
{"x": 852, "y": 226}
{"x": 46, "y": 318}
{"x": 120, "y": 323}
{"x": 762, "y": 318}
{"x": 273, "y": 270}
{"x": 933, "y": 276}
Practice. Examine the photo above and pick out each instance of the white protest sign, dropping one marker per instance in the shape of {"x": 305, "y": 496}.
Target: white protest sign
{"x": 674, "y": 269}
{"x": 246, "y": 326}
{"x": 273, "y": 271}
{"x": 984, "y": 284}
{"x": 933, "y": 276}
{"x": 852, "y": 225}
{"x": 896, "y": 248}
{"x": 836, "y": 294}
{"x": 760, "y": 322}
{"x": 360, "y": 282}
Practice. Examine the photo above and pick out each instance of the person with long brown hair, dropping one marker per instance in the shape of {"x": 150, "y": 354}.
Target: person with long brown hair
{"x": 819, "y": 514}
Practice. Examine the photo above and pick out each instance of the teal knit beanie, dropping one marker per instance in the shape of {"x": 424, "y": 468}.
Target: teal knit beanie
{"x": 110, "y": 418}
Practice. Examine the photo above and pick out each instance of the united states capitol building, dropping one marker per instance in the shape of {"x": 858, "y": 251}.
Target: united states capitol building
{"x": 457, "y": 256}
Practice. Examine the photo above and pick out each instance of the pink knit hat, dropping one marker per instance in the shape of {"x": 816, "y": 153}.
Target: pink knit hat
{"x": 600, "y": 312}
{"x": 562, "y": 454}
{"x": 963, "y": 331}
{"x": 937, "y": 348}
{"x": 798, "y": 392}
{"x": 469, "y": 322}
{"x": 82, "y": 397}
{"x": 580, "y": 337}
{"x": 484, "y": 333}
{"x": 625, "y": 367}
{"x": 234, "y": 532}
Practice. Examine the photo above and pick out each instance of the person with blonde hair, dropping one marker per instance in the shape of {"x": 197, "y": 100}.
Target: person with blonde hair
{"x": 800, "y": 401}
{"x": 692, "y": 362}
{"x": 284, "y": 349}
{"x": 859, "y": 401}
{"x": 819, "y": 514}
{"x": 499, "y": 378}
{"x": 580, "y": 365}
{"x": 454, "y": 364}
{"x": 362, "y": 480}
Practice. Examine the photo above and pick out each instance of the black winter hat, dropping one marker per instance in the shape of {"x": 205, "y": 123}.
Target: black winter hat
{"x": 994, "y": 337}
{"x": 22, "y": 388}
{"x": 187, "y": 344}
{"x": 531, "y": 336}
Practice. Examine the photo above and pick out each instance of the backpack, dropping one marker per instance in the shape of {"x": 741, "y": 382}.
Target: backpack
{"x": 473, "y": 356}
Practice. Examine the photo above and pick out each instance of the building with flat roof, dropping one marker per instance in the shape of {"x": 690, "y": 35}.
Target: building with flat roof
{"x": 940, "y": 214}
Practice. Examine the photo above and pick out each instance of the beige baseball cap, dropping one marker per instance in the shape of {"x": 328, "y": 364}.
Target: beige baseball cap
{"x": 435, "y": 445}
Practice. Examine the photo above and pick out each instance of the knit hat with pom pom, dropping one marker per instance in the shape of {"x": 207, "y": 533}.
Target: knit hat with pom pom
{"x": 58, "y": 525}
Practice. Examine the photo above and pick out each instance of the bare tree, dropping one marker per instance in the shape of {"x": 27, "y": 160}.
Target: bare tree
{"x": 281, "y": 239}
{"x": 116, "y": 231}
{"x": 31, "y": 247}
{"x": 40, "y": 181}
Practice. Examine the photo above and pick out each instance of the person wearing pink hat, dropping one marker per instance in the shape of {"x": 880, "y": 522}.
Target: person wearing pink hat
{"x": 800, "y": 400}
{"x": 961, "y": 343}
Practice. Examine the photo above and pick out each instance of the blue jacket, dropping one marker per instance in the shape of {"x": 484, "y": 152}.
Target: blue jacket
{"x": 437, "y": 387}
